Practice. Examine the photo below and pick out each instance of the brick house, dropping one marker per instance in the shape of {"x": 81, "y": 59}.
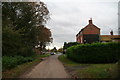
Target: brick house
{"x": 88, "y": 34}
{"x": 91, "y": 33}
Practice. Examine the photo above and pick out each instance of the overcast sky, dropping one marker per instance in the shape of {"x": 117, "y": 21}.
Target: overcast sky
{"x": 69, "y": 16}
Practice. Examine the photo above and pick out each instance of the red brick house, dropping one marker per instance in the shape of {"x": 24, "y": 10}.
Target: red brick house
{"x": 88, "y": 34}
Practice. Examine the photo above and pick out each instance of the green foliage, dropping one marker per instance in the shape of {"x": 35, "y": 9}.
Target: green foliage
{"x": 94, "y": 53}
{"x": 67, "y": 45}
{"x": 20, "y": 69}
{"x": 54, "y": 49}
{"x": 98, "y": 71}
{"x": 22, "y": 25}
{"x": 27, "y": 17}
{"x": 63, "y": 58}
{"x": 60, "y": 50}
{"x": 9, "y": 62}
{"x": 11, "y": 41}
{"x": 89, "y": 70}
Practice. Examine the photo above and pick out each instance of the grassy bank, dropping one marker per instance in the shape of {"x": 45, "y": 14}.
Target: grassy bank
{"x": 89, "y": 70}
{"x": 18, "y": 70}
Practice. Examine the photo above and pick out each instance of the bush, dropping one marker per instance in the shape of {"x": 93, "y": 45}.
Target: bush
{"x": 94, "y": 53}
{"x": 9, "y": 62}
{"x": 69, "y": 44}
{"x": 28, "y": 59}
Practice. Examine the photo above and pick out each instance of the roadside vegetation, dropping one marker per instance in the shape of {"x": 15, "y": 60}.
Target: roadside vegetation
{"x": 14, "y": 69}
{"x": 96, "y": 60}
{"x": 94, "y": 53}
{"x": 81, "y": 70}
{"x": 23, "y": 29}
{"x": 9, "y": 62}
{"x": 24, "y": 35}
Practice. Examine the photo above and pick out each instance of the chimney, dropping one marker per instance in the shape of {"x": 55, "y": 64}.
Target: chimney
{"x": 111, "y": 33}
{"x": 90, "y": 21}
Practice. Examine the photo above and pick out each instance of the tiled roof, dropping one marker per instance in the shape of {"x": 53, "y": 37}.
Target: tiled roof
{"x": 108, "y": 37}
{"x": 90, "y": 24}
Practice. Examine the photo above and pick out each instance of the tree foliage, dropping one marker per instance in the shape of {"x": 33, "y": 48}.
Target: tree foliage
{"x": 69, "y": 44}
{"x": 60, "y": 50}
{"x": 11, "y": 41}
{"x": 23, "y": 26}
{"x": 54, "y": 49}
{"x": 44, "y": 37}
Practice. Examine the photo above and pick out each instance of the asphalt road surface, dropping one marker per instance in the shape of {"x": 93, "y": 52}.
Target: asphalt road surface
{"x": 49, "y": 68}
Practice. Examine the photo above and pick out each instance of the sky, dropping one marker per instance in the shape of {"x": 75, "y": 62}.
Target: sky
{"x": 68, "y": 17}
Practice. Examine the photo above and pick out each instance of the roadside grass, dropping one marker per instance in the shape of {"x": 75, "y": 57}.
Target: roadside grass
{"x": 89, "y": 70}
{"x": 20, "y": 69}
{"x": 67, "y": 62}
{"x": 98, "y": 71}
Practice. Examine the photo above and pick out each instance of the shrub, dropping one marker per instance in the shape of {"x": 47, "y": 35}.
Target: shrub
{"x": 69, "y": 44}
{"x": 9, "y": 62}
{"x": 94, "y": 53}
{"x": 28, "y": 59}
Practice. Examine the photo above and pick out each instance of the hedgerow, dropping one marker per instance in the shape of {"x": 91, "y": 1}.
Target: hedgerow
{"x": 94, "y": 53}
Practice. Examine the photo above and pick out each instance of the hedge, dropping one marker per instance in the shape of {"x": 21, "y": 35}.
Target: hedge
{"x": 69, "y": 44}
{"x": 94, "y": 53}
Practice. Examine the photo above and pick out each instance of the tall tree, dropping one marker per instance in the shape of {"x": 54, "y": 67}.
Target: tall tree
{"x": 28, "y": 18}
{"x": 44, "y": 36}
{"x": 65, "y": 46}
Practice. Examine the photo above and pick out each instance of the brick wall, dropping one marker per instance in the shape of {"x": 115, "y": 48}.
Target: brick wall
{"x": 91, "y": 29}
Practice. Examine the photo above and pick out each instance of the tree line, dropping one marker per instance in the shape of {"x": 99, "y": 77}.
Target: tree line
{"x": 23, "y": 27}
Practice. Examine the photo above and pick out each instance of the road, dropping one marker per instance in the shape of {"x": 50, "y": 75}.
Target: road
{"x": 49, "y": 68}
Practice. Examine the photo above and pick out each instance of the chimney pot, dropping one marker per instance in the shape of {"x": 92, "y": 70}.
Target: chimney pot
{"x": 111, "y": 33}
{"x": 90, "y": 21}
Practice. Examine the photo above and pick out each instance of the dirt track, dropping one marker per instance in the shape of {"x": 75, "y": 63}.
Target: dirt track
{"x": 49, "y": 68}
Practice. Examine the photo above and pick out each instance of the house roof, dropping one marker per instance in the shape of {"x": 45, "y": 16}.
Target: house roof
{"x": 90, "y": 24}
{"x": 108, "y": 37}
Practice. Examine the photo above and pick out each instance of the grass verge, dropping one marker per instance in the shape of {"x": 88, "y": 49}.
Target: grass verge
{"x": 89, "y": 70}
{"x": 15, "y": 72}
